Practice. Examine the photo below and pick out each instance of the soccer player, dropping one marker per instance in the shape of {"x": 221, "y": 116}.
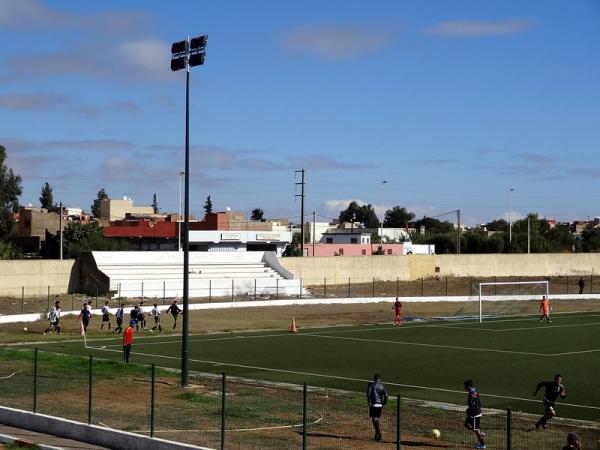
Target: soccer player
{"x": 377, "y": 397}
{"x": 545, "y": 309}
{"x": 54, "y": 318}
{"x": 474, "y": 412}
{"x": 174, "y": 310}
{"x": 120, "y": 314}
{"x": 134, "y": 317}
{"x": 156, "y": 315}
{"x": 398, "y": 309}
{"x": 84, "y": 316}
{"x": 105, "y": 316}
{"x": 127, "y": 341}
{"x": 553, "y": 389}
{"x": 141, "y": 317}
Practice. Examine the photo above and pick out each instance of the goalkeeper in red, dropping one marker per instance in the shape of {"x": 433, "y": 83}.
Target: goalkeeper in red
{"x": 545, "y": 309}
{"x": 553, "y": 389}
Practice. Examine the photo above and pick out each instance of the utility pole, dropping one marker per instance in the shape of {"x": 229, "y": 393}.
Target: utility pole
{"x": 528, "y": 233}
{"x": 301, "y": 210}
{"x": 458, "y": 237}
{"x": 60, "y": 225}
{"x": 313, "y": 230}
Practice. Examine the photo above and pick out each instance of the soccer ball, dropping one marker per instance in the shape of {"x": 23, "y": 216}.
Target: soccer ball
{"x": 25, "y": 329}
{"x": 436, "y": 433}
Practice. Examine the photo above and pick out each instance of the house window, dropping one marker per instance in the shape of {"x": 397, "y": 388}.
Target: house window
{"x": 353, "y": 240}
{"x": 329, "y": 240}
{"x": 389, "y": 251}
{"x": 364, "y": 252}
{"x": 341, "y": 252}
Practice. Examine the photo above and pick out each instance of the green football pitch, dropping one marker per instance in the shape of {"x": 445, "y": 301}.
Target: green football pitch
{"x": 506, "y": 358}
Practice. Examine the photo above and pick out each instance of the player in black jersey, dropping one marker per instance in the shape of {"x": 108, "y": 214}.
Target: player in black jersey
{"x": 474, "y": 412}
{"x": 553, "y": 389}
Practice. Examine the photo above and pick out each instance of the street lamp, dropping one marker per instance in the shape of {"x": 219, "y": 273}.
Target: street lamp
{"x": 179, "y": 217}
{"x": 381, "y": 233}
{"x": 186, "y": 54}
{"x": 510, "y": 215}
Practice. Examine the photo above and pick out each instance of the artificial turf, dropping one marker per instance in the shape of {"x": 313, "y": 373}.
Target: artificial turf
{"x": 505, "y": 357}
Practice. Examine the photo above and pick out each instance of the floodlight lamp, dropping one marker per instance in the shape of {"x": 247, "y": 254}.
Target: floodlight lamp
{"x": 197, "y": 59}
{"x": 179, "y": 47}
{"x": 178, "y": 63}
{"x": 198, "y": 42}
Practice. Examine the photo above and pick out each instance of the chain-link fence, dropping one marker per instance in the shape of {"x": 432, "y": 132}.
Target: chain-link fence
{"x": 219, "y": 412}
{"x": 309, "y": 288}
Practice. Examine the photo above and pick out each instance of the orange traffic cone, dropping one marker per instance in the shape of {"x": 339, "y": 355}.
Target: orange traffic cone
{"x": 293, "y": 328}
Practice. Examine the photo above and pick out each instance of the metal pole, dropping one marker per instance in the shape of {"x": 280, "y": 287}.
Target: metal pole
{"x": 96, "y": 296}
{"x": 179, "y": 218}
{"x": 349, "y": 295}
{"x": 458, "y": 235}
{"x": 373, "y": 287}
{"x": 277, "y": 288}
{"x": 301, "y": 211}
{"x": 164, "y": 292}
{"x": 209, "y": 291}
{"x": 22, "y": 299}
{"x": 528, "y": 233}
{"x": 510, "y": 215}
{"x": 301, "y": 284}
{"x": 398, "y": 423}
{"x": 232, "y": 290}
{"x": 255, "y": 289}
{"x": 152, "y": 399}
{"x": 90, "y": 382}
{"x": 60, "y": 227}
{"x": 48, "y": 308}
{"x": 304, "y": 416}
{"x": 186, "y": 235}
{"x": 508, "y": 429}
{"x": 422, "y": 286}
{"x": 397, "y": 287}
{"x": 142, "y": 291}
{"x": 223, "y": 404}
{"x": 35, "y": 371}
{"x": 313, "y": 231}
{"x": 325, "y": 287}
{"x": 446, "y": 286}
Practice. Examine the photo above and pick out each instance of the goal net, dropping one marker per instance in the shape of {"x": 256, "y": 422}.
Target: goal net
{"x": 509, "y": 298}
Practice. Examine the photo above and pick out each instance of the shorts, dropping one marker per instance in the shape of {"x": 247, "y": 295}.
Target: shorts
{"x": 54, "y": 324}
{"x": 119, "y": 321}
{"x": 105, "y": 318}
{"x": 157, "y": 319}
{"x": 549, "y": 408}
{"x": 85, "y": 321}
{"x": 472, "y": 423}
{"x": 375, "y": 412}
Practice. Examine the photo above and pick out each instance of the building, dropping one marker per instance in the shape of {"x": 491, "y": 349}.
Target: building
{"x": 111, "y": 209}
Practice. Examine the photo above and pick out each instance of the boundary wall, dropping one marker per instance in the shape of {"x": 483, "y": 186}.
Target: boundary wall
{"x": 36, "y": 275}
{"x": 104, "y": 437}
{"x": 338, "y": 269}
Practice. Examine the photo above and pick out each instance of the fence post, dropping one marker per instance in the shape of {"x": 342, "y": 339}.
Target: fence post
{"x": 72, "y": 302}
{"x": 495, "y": 285}
{"x": 567, "y": 284}
{"x": 373, "y": 287}
{"x": 22, "y": 299}
{"x": 119, "y": 286}
{"x": 446, "y": 286}
{"x": 508, "y": 429}
{"x": 398, "y": 424}
{"x": 209, "y": 291}
{"x": 349, "y": 295}
{"x": 232, "y": 287}
{"x": 304, "y": 416}
{"x": 301, "y": 284}
{"x": 397, "y": 287}
{"x": 325, "y": 287}
{"x": 223, "y": 404}
{"x": 152, "y": 398}
{"x": 164, "y": 292}
{"x": 96, "y": 296}
{"x": 48, "y": 299}
{"x": 591, "y": 284}
{"x": 255, "y": 289}
{"x": 90, "y": 382}
{"x": 35, "y": 370}
{"x": 277, "y": 288}
{"x": 422, "y": 286}
{"x": 142, "y": 291}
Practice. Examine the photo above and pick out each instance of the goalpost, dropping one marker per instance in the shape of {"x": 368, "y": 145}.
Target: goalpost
{"x": 511, "y": 291}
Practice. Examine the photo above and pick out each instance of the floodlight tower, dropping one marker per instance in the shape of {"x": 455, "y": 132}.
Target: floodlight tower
{"x": 186, "y": 54}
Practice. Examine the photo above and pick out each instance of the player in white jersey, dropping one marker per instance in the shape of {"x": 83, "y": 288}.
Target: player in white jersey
{"x": 156, "y": 314}
{"x": 54, "y": 318}
{"x": 105, "y": 316}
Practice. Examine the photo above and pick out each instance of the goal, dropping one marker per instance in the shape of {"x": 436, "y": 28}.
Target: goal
{"x": 509, "y": 298}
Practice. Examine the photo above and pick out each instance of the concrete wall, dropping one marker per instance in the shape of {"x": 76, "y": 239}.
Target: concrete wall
{"x": 104, "y": 437}
{"x": 338, "y": 269}
{"x": 36, "y": 275}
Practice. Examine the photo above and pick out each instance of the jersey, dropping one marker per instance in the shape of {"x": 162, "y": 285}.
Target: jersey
{"x": 85, "y": 313}
{"x": 120, "y": 313}
{"x": 128, "y": 336}
{"x": 545, "y": 306}
{"x": 155, "y": 312}
{"x": 552, "y": 390}
{"x": 473, "y": 403}
{"x": 105, "y": 309}
{"x": 174, "y": 309}
{"x": 54, "y": 314}
{"x": 397, "y": 305}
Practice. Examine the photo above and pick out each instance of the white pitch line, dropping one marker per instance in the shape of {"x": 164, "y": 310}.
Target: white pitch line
{"x": 337, "y": 377}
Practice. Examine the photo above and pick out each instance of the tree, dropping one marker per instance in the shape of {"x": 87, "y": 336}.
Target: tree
{"x": 591, "y": 239}
{"x": 46, "y": 198}
{"x": 208, "y": 207}
{"x": 155, "y": 204}
{"x": 102, "y": 195}
{"x": 10, "y": 190}
{"x": 257, "y": 215}
{"x": 560, "y": 238}
{"x": 434, "y": 226}
{"x": 79, "y": 238}
{"x": 398, "y": 217}
{"x": 364, "y": 214}
{"x": 497, "y": 225}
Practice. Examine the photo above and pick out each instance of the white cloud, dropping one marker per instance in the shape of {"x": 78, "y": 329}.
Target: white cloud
{"x": 479, "y": 28}
{"x": 146, "y": 57}
{"x": 336, "y": 42}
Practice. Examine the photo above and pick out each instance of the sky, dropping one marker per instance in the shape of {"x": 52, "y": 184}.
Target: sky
{"x": 452, "y": 103}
